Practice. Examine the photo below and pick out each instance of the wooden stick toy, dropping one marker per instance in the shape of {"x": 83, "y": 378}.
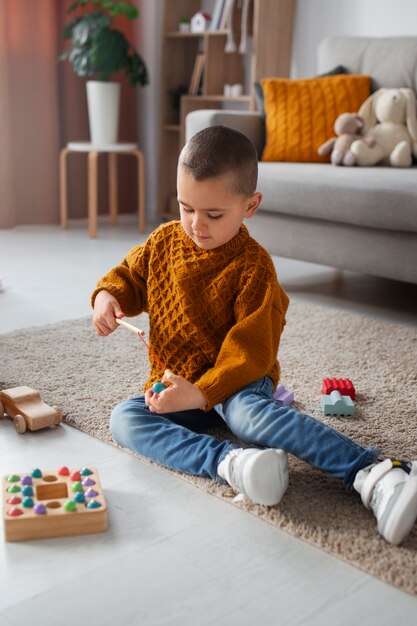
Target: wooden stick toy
{"x": 140, "y": 334}
{"x": 134, "y": 329}
{"x": 60, "y": 503}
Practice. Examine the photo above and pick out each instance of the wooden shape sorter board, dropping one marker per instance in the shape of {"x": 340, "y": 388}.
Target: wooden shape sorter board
{"x": 59, "y": 503}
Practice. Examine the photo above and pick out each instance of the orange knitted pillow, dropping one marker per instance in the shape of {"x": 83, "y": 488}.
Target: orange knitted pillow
{"x": 300, "y": 113}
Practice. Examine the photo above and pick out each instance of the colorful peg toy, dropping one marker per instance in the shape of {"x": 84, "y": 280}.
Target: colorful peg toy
{"x": 53, "y": 504}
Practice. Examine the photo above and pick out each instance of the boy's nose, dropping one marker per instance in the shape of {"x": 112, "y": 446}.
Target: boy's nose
{"x": 198, "y": 222}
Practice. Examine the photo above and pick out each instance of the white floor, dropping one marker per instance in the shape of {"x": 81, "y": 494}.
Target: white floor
{"x": 172, "y": 554}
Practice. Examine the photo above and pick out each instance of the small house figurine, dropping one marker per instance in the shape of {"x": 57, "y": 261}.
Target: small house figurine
{"x": 200, "y": 22}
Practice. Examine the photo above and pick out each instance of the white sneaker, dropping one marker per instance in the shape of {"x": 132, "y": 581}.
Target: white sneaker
{"x": 261, "y": 475}
{"x": 389, "y": 488}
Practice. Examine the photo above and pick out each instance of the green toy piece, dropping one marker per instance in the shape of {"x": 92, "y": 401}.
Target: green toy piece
{"x": 158, "y": 387}
{"x": 336, "y": 404}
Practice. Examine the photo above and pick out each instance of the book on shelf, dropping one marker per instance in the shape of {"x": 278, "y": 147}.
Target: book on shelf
{"x": 226, "y": 12}
{"x": 197, "y": 74}
{"x": 217, "y": 15}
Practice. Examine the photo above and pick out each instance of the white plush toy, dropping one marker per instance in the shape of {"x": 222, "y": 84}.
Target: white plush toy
{"x": 390, "y": 129}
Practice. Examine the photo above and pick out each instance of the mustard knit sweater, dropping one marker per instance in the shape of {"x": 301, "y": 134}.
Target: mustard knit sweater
{"x": 216, "y": 316}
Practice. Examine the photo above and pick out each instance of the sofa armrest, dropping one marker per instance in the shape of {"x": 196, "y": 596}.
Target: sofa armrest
{"x": 250, "y": 123}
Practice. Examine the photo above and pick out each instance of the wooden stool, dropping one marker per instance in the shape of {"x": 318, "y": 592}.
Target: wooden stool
{"x": 93, "y": 154}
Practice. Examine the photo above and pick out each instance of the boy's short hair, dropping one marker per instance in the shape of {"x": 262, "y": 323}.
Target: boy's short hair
{"x": 219, "y": 150}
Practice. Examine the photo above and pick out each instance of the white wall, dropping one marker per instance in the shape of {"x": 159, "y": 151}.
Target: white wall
{"x": 316, "y": 19}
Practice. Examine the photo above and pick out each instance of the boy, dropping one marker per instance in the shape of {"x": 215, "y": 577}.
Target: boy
{"x": 216, "y": 313}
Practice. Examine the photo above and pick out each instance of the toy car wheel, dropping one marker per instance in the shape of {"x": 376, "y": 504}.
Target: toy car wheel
{"x": 1, "y": 409}
{"x": 58, "y": 419}
{"x": 20, "y": 424}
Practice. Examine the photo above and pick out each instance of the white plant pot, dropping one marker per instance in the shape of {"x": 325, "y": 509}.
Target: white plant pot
{"x": 103, "y": 101}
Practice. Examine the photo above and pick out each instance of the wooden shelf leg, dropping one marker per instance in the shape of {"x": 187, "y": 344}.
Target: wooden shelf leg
{"x": 63, "y": 187}
{"x": 92, "y": 193}
{"x": 141, "y": 191}
{"x": 113, "y": 187}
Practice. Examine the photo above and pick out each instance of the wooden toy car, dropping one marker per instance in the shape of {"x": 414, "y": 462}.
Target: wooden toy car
{"x": 27, "y": 409}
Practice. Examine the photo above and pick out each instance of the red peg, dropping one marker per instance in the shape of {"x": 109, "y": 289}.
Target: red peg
{"x": 63, "y": 471}
{"x": 75, "y": 476}
{"x": 15, "y": 512}
{"x": 14, "y": 500}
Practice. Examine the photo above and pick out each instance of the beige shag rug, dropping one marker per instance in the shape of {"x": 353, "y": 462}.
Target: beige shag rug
{"x": 87, "y": 375}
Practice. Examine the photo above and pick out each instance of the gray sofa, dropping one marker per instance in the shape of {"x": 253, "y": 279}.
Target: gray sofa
{"x": 356, "y": 218}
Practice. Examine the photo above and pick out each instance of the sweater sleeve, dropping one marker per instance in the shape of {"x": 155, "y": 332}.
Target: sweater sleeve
{"x": 249, "y": 350}
{"x": 127, "y": 281}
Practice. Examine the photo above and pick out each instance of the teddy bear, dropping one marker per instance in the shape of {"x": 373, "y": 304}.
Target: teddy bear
{"x": 348, "y": 127}
{"x": 391, "y": 126}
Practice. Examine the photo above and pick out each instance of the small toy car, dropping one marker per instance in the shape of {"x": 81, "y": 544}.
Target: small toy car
{"x": 27, "y": 409}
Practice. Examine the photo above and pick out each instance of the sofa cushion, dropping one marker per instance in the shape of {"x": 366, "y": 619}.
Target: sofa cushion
{"x": 391, "y": 61}
{"x": 259, "y": 93}
{"x": 300, "y": 113}
{"x": 375, "y": 197}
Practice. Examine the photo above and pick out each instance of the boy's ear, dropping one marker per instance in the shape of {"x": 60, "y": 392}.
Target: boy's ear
{"x": 253, "y": 204}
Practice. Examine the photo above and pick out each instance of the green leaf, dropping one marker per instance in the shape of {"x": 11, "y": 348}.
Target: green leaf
{"x": 87, "y": 26}
{"x": 136, "y": 71}
{"x": 119, "y": 8}
{"x": 79, "y": 60}
{"x": 67, "y": 33}
{"x": 129, "y": 10}
{"x": 109, "y": 51}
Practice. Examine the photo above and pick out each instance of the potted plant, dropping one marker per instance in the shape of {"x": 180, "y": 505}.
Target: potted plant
{"x": 184, "y": 25}
{"x": 99, "y": 51}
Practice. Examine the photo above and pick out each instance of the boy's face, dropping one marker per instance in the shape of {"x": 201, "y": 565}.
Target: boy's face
{"x": 211, "y": 212}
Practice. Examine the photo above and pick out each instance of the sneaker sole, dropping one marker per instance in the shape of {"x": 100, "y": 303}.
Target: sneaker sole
{"x": 265, "y": 476}
{"x": 396, "y": 526}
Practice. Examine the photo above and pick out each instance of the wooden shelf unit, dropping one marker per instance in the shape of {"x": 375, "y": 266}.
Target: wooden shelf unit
{"x": 213, "y": 33}
{"x": 270, "y": 28}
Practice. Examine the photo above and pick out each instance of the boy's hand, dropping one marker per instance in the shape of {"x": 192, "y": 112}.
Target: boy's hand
{"x": 106, "y": 309}
{"x": 179, "y": 396}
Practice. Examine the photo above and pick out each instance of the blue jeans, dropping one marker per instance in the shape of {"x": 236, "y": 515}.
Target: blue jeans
{"x": 176, "y": 441}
